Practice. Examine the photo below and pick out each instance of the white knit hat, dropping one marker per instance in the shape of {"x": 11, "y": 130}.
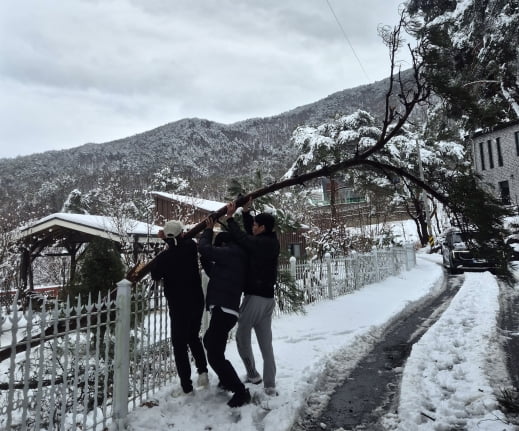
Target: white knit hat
{"x": 173, "y": 228}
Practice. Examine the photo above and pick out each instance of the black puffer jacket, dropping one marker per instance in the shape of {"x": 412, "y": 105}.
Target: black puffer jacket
{"x": 178, "y": 267}
{"x": 263, "y": 252}
{"x": 226, "y": 267}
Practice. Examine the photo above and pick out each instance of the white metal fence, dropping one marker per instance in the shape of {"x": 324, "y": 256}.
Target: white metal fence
{"x": 76, "y": 366}
{"x": 69, "y": 367}
{"x": 331, "y": 277}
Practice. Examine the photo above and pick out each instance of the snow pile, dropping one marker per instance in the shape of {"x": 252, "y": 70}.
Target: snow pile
{"x": 445, "y": 384}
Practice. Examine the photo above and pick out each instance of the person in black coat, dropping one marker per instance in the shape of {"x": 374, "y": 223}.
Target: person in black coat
{"x": 178, "y": 267}
{"x": 260, "y": 242}
{"x": 225, "y": 264}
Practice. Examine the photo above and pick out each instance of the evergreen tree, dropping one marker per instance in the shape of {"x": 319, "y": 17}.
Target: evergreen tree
{"x": 481, "y": 216}
{"x": 101, "y": 269}
{"x": 289, "y": 297}
{"x": 471, "y": 56}
{"x": 75, "y": 203}
{"x": 441, "y": 154}
{"x": 279, "y": 204}
{"x": 165, "y": 181}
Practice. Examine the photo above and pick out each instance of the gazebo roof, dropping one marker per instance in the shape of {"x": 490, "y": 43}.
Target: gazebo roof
{"x": 81, "y": 227}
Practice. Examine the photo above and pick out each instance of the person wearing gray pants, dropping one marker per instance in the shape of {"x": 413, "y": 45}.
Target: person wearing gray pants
{"x": 262, "y": 246}
{"x": 256, "y": 313}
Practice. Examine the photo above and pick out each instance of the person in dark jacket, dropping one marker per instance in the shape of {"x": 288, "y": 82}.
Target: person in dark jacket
{"x": 178, "y": 267}
{"x": 225, "y": 264}
{"x": 262, "y": 246}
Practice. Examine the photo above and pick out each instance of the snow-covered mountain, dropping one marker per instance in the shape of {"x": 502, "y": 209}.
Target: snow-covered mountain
{"x": 194, "y": 149}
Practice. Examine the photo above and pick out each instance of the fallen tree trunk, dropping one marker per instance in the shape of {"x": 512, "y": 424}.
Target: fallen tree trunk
{"x": 140, "y": 270}
{"x": 408, "y": 99}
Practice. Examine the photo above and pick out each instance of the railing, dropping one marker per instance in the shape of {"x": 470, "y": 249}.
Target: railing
{"x": 332, "y": 277}
{"x": 83, "y": 366}
{"x": 69, "y": 367}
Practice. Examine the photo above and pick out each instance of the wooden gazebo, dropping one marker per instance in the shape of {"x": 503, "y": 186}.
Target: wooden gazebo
{"x": 69, "y": 232}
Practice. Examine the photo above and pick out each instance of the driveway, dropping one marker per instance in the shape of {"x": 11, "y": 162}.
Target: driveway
{"x": 370, "y": 391}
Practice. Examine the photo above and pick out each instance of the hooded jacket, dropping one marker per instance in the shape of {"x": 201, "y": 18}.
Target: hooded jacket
{"x": 263, "y": 253}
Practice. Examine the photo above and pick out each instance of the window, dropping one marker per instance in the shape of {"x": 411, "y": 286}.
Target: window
{"x": 504, "y": 190}
{"x": 499, "y": 154}
{"x": 482, "y": 154}
{"x": 490, "y": 155}
{"x": 516, "y": 143}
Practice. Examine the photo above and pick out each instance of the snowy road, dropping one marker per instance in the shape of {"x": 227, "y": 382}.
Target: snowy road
{"x": 453, "y": 375}
{"x": 371, "y": 389}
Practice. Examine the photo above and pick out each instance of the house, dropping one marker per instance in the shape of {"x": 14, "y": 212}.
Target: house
{"x": 342, "y": 193}
{"x": 192, "y": 210}
{"x": 189, "y": 209}
{"x": 349, "y": 207}
{"x": 495, "y": 156}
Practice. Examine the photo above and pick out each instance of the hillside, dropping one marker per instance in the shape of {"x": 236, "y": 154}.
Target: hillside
{"x": 195, "y": 149}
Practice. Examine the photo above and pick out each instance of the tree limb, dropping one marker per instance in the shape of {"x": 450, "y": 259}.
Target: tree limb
{"x": 142, "y": 269}
{"x": 403, "y": 173}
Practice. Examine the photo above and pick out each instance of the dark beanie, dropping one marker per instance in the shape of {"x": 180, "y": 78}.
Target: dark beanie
{"x": 267, "y": 220}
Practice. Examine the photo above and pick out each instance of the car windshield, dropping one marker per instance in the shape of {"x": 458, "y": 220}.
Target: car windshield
{"x": 463, "y": 237}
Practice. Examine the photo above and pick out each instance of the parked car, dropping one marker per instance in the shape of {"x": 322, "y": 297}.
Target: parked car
{"x": 456, "y": 255}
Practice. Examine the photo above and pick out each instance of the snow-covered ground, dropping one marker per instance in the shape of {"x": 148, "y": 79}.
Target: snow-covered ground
{"x": 449, "y": 382}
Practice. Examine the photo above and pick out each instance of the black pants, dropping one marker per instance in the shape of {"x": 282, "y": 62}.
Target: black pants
{"x": 185, "y": 330}
{"x": 215, "y": 342}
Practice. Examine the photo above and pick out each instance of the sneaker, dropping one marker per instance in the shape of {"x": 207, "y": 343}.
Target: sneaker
{"x": 203, "y": 380}
{"x": 239, "y": 399}
{"x": 271, "y": 392}
{"x": 254, "y": 380}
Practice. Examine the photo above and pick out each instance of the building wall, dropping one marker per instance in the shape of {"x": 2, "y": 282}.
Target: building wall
{"x": 166, "y": 209}
{"x": 292, "y": 244}
{"x": 496, "y": 158}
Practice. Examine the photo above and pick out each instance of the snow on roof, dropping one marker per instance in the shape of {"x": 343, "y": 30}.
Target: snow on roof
{"x": 91, "y": 224}
{"x": 204, "y": 204}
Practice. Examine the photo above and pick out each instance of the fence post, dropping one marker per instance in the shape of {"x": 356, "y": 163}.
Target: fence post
{"x": 122, "y": 354}
{"x": 407, "y": 258}
{"x": 292, "y": 261}
{"x": 394, "y": 259}
{"x": 376, "y": 257}
{"x": 355, "y": 269}
{"x": 328, "y": 259}
{"x": 347, "y": 279}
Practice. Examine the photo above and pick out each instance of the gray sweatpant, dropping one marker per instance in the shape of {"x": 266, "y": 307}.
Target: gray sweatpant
{"x": 256, "y": 313}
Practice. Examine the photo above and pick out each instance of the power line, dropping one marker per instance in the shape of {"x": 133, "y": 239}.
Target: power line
{"x": 348, "y": 40}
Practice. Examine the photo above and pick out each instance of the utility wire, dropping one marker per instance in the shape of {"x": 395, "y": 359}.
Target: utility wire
{"x": 348, "y": 40}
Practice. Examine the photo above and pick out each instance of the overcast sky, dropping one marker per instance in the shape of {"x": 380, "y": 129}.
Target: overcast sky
{"x": 78, "y": 71}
